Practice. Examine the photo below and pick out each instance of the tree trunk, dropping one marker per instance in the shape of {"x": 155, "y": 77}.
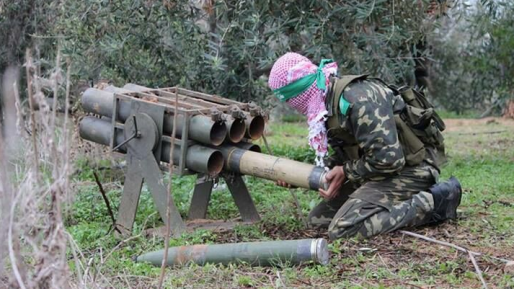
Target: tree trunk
{"x": 509, "y": 109}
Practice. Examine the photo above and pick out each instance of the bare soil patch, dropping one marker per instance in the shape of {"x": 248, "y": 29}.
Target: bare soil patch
{"x": 469, "y": 124}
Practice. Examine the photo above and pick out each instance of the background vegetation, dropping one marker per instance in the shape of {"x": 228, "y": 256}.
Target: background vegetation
{"x": 473, "y": 64}
{"x": 228, "y": 47}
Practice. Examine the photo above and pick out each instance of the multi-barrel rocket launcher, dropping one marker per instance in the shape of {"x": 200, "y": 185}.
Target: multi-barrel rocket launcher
{"x": 213, "y": 139}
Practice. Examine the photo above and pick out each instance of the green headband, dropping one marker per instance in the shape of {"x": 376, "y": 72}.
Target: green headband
{"x": 302, "y": 84}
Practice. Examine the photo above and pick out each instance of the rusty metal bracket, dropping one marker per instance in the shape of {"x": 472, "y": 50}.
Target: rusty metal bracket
{"x": 255, "y": 110}
{"x": 216, "y": 115}
{"x": 236, "y": 112}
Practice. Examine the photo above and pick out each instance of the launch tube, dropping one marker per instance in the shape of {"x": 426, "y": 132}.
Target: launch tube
{"x": 201, "y": 128}
{"x": 115, "y": 89}
{"x": 292, "y": 252}
{"x": 236, "y": 128}
{"x": 199, "y": 158}
{"x": 254, "y": 126}
{"x": 249, "y": 146}
{"x": 268, "y": 167}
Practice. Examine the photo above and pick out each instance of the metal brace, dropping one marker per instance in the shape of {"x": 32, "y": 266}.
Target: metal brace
{"x": 136, "y": 134}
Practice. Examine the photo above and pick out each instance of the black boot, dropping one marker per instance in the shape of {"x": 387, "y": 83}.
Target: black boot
{"x": 447, "y": 196}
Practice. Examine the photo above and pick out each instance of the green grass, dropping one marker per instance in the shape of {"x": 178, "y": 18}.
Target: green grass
{"x": 454, "y": 115}
{"x": 483, "y": 163}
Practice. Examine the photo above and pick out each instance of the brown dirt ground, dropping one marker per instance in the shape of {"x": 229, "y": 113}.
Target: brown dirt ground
{"x": 469, "y": 125}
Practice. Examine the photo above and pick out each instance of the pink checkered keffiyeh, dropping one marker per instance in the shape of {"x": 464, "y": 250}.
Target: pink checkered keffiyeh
{"x": 290, "y": 67}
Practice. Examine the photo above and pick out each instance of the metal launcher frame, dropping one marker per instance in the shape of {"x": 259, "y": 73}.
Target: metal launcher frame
{"x": 143, "y": 138}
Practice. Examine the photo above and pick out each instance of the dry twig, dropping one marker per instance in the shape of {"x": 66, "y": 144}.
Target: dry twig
{"x": 55, "y": 87}
{"x": 471, "y": 254}
{"x": 462, "y": 249}
{"x": 107, "y": 203}
{"x": 477, "y": 269}
{"x": 266, "y": 144}
{"x": 169, "y": 200}
{"x": 66, "y": 164}
{"x": 483, "y": 132}
{"x": 19, "y": 110}
{"x": 28, "y": 67}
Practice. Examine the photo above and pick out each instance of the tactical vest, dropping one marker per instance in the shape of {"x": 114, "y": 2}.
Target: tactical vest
{"x": 418, "y": 125}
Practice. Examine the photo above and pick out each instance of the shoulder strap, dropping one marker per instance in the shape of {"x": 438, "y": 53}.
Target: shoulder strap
{"x": 342, "y": 105}
{"x": 342, "y": 82}
{"x": 392, "y": 87}
{"x": 337, "y": 86}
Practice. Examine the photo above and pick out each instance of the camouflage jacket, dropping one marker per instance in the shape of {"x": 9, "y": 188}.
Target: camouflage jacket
{"x": 370, "y": 121}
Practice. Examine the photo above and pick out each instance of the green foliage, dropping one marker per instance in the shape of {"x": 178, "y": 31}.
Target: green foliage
{"x": 456, "y": 115}
{"x": 21, "y": 25}
{"x": 226, "y": 46}
{"x": 302, "y": 153}
{"x": 475, "y": 61}
{"x": 293, "y": 118}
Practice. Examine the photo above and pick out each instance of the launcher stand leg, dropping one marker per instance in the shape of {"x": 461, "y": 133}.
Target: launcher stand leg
{"x": 201, "y": 197}
{"x": 154, "y": 180}
{"x": 129, "y": 200}
{"x": 242, "y": 197}
{"x": 142, "y": 133}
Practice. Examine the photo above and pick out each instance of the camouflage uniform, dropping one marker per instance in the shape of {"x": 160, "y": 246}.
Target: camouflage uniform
{"x": 382, "y": 193}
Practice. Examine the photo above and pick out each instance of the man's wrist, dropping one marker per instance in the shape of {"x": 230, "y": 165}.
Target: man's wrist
{"x": 347, "y": 171}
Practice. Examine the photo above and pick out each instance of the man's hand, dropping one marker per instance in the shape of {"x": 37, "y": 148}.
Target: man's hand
{"x": 336, "y": 179}
{"x": 285, "y": 185}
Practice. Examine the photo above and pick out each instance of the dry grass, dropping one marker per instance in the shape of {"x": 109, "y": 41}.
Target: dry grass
{"x": 34, "y": 170}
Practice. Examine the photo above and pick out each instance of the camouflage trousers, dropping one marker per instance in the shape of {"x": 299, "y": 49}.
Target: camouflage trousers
{"x": 379, "y": 206}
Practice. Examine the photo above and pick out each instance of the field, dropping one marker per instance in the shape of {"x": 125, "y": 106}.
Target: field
{"x": 481, "y": 156}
